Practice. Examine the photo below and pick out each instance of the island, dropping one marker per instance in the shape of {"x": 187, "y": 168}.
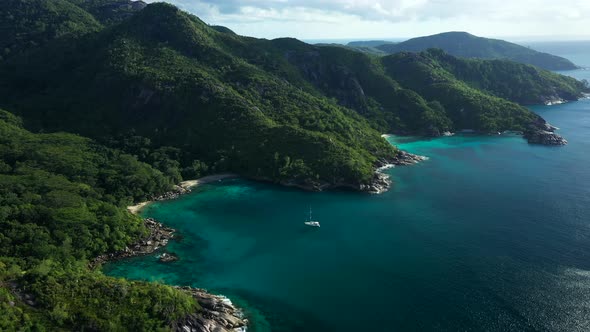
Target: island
{"x": 466, "y": 45}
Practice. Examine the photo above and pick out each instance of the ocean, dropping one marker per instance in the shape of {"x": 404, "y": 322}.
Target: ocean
{"x": 489, "y": 234}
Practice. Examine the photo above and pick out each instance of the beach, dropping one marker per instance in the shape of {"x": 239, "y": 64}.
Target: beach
{"x": 184, "y": 186}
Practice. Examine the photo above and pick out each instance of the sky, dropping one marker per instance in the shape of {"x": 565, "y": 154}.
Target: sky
{"x": 393, "y": 19}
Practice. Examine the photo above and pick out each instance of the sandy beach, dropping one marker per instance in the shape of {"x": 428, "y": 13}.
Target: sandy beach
{"x": 187, "y": 185}
{"x": 136, "y": 208}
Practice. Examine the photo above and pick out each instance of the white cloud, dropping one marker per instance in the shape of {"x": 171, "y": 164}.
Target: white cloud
{"x": 321, "y": 18}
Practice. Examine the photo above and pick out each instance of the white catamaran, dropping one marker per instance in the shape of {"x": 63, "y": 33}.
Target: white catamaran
{"x": 311, "y": 222}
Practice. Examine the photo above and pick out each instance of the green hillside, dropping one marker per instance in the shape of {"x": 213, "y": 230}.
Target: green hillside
{"x": 31, "y": 24}
{"x": 471, "y": 91}
{"x": 526, "y": 85}
{"x": 110, "y": 11}
{"x": 62, "y": 201}
{"x": 281, "y": 110}
{"x": 466, "y": 45}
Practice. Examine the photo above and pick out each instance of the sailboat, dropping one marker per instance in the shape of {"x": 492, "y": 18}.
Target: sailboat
{"x": 311, "y": 222}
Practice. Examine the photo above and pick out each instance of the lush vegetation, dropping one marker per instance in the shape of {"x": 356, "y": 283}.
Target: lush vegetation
{"x": 369, "y": 46}
{"x": 215, "y": 101}
{"x": 62, "y": 201}
{"x": 110, "y": 12}
{"x": 466, "y": 106}
{"x": 509, "y": 80}
{"x": 465, "y": 45}
{"x": 166, "y": 76}
{"x": 30, "y": 24}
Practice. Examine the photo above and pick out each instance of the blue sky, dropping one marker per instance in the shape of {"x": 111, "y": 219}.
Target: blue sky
{"x": 355, "y": 19}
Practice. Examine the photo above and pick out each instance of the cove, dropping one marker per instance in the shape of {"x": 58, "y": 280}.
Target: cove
{"x": 490, "y": 233}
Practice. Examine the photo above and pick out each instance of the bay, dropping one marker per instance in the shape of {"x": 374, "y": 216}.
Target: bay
{"x": 490, "y": 233}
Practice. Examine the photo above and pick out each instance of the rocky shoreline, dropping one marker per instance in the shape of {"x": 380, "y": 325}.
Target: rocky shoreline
{"x": 545, "y": 138}
{"x": 182, "y": 188}
{"x": 159, "y": 237}
{"x": 404, "y": 158}
{"x": 543, "y": 133}
{"x": 217, "y": 314}
{"x": 379, "y": 184}
{"x": 176, "y": 192}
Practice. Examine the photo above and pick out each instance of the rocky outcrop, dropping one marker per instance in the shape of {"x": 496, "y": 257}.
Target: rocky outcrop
{"x": 403, "y": 158}
{"x": 381, "y": 182}
{"x": 541, "y": 132}
{"x": 158, "y": 237}
{"x": 167, "y": 258}
{"x": 554, "y": 101}
{"x": 544, "y": 137}
{"x": 217, "y": 314}
{"x": 20, "y": 293}
{"x": 176, "y": 192}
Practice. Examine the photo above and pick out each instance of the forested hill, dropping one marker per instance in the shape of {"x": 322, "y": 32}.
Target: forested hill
{"x": 31, "y": 24}
{"x": 463, "y": 44}
{"x": 280, "y": 109}
{"x": 62, "y": 201}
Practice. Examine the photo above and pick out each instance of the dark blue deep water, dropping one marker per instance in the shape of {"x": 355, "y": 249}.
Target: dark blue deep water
{"x": 489, "y": 234}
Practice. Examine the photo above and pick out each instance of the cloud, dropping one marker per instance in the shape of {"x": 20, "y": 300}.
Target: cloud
{"x": 386, "y": 10}
{"x": 345, "y": 18}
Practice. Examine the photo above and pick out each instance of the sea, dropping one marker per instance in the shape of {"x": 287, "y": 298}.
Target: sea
{"x": 489, "y": 234}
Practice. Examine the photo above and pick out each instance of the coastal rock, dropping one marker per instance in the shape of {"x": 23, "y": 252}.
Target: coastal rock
{"x": 158, "y": 237}
{"x": 167, "y": 258}
{"x": 541, "y": 132}
{"x": 176, "y": 192}
{"x": 554, "y": 100}
{"x": 381, "y": 182}
{"x": 404, "y": 158}
{"x": 546, "y": 127}
{"x": 544, "y": 137}
{"x": 378, "y": 185}
{"x": 217, "y": 314}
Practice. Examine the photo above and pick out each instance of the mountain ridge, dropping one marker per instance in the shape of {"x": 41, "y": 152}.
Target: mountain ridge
{"x": 138, "y": 74}
{"x": 463, "y": 44}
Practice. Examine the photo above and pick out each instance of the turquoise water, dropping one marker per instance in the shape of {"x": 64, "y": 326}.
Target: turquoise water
{"x": 489, "y": 234}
